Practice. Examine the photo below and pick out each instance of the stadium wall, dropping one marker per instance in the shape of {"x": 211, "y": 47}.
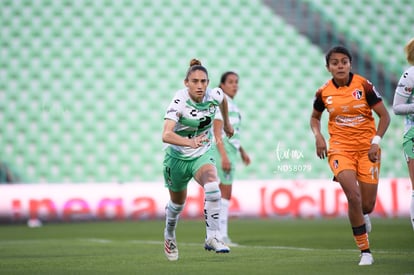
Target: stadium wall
{"x": 141, "y": 200}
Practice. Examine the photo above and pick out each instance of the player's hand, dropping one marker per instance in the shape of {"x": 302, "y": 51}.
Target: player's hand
{"x": 321, "y": 148}
{"x": 199, "y": 141}
{"x": 228, "y": 129}
{"x": 226, "y": 165}
{"x": 373, "y": 153}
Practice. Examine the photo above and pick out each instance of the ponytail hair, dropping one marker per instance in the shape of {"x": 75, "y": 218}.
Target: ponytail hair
{"x": 195, "y": 65}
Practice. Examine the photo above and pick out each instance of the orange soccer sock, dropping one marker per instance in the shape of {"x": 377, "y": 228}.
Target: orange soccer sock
{"x": 361, "y": 238}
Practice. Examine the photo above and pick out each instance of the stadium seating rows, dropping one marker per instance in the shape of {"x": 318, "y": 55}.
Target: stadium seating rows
{"x": 84, "y": 86}
{"x": 380, "y": 27}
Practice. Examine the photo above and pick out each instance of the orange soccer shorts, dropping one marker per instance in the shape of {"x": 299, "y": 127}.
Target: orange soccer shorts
{"x": 366, "y": 171}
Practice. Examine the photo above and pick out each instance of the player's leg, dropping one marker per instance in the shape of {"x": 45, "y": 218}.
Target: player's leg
{"x": 206, "y": 176}
{"x": 408, "y": 147}
{"x": 226, "y": 185}
{"x": 176, "y": 180}
{"x": 410, "y": 164}
{"x": 172, "y": 212}
{"x": 224, "y": 210}
{"x": 348, "y": 181}
{"x": 368, "y": 198}
{"x": 368, "y": 177}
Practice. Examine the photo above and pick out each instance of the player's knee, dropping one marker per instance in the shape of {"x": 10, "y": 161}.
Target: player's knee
{"x": 174, "y": 208}
{"x": 212, "y": 191}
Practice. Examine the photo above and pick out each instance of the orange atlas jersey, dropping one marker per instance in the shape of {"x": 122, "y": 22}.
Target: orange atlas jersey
{"x": 351, "y": 124}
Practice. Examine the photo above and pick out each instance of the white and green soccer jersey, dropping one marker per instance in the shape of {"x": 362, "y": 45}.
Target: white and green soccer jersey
{"x": 405, "y": 89}
{"x": 193, "y": 119}
{"x": 235, "y": 121}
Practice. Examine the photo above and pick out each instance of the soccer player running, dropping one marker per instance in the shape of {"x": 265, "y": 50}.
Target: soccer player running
{"x": 227, "y": 149}
{"x": 188, "y": 133}
{"x": 404, "y": 105}
{"x": 354, "y": 146}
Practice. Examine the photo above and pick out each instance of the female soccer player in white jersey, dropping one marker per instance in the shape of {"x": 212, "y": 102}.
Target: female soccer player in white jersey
{"x": 188, "y": 133}
{"x": 404, "y": 105}
{"x": 227, "y": 150}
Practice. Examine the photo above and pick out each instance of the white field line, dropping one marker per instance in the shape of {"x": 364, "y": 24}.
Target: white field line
{"x": 161, "y": 243}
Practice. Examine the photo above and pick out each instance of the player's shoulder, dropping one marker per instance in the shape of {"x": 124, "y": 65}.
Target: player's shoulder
{"x": 181, "y": 93}
{"x": 409, "y": 73}
{"x": 324, "y": 87}
{"x": 365, "y": 83}
{"x": 180, "y": 96}
{"x": 359, "y": 79}
{"x": 215, "y": 94}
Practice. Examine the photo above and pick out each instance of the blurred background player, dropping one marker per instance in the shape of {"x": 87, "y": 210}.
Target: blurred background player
{"x": 188, "y": 133}
{"x": 354, "y": 154}
{"x": 227, "y": 149}
{"x": 404, "y": 105}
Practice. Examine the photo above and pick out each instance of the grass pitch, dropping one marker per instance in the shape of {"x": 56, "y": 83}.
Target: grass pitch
{"x": 271, "y": 246}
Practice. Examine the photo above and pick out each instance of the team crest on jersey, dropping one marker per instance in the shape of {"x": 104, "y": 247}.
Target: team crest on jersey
{"x": 357, "y": 94}
{"x": 212, "y": 108}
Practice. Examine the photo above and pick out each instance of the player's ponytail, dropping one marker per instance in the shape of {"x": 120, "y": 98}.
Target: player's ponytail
{"x": 195, "y": 65}
{"x": 194, "y": 62}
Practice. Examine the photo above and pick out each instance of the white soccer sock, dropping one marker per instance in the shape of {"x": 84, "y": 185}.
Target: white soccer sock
{"x": 412, "y": 209}
{"x": 212, "y": 196}
{"x": 224, "y": 214}
{"x": 172, "y": 212}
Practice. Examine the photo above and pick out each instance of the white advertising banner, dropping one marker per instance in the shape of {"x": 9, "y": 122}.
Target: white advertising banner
{"x": 253, "y": 198}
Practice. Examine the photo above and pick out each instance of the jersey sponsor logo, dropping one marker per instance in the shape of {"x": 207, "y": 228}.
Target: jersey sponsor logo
{"x": 212, "y": 108}
{"x": 349, "y": 121}
{"x": 359, "y": 106}
{"x": 357, "y": 94}
{"x": 345, "y": 109}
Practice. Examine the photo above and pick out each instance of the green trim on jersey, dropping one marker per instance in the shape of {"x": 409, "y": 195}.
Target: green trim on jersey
{"x": 193, "y": 118}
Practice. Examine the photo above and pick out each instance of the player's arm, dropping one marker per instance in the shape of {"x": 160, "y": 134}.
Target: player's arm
{"x": 384, "y": 118}
{"x": 400, "y": 105}
{"x": 383, "y": 123}
{"x": 224, "y": 109}
{"x": 169, "y": 136}
{"x": 218, "y": 127}
{"x": 315, "y": 124}
{"x": 245, "y": 157}
{"x": 403, "y": 91}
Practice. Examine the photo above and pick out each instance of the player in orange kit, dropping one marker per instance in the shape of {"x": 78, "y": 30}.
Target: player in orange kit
{"x": 354, "y": 153}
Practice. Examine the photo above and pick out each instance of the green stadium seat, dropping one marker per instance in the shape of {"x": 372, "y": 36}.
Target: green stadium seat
{"x": 87, "y": 84}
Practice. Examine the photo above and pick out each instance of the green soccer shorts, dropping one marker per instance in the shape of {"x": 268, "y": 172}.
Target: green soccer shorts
{"x": 178, "y": 172}
{"x": 408, "y": 144}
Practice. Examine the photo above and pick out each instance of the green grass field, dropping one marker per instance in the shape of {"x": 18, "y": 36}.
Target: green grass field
{"x": 274, "y": 246}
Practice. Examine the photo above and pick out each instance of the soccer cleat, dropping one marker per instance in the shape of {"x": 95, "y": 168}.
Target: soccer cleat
{"x": 170, "y": 249}
{"x": 366, "y": 259}
{"x": 228, "y": 241}
{"x": 368, "y": 225}
{"x": 217, "y": 245}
